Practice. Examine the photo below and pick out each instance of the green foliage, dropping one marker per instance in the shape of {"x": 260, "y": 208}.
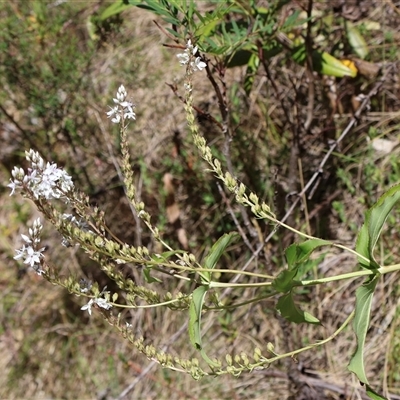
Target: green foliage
{"x": 217, "y": 250}
{"x": 296, "y": 256}
{"x": 373, "y": 225}
{"x": 364, "y": 295}
{"x": 290, "y": 311}
{"x": 374, "y": 395}
{"x": 195, "y": 310}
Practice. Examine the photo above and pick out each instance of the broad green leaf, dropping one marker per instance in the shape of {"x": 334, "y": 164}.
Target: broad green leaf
{"x": 379, "y": 213}
{"x": 362, "y": 247}
{"x": 296, "y": 255}
{"x": 114, "y": 9}
{"x": 196, "y": 305}
{"x": 148, "y": 278}
{"x": 288, "y": 310}
{"x": 308, "y": 265}
{"x": 216, "y": 252}
{"x": 356, "y": 40}
{"x": 364, "y": 295}
{"x": 372, "y": 228}
{"x": 195, "y": 309}
{"x": 285, "y": 282}
{"x": 373, "y": 395}
{"x": 299, "y": 252}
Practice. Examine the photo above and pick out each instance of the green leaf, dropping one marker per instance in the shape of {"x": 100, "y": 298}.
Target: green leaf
{"x": 159, "y": 8}
{"x": 148, "y": 278}
{"x": 356, "y": 40}
{"x": 373, "y": 395}
{"x": 196, "y": 305}
{"x": 364, "y": 295}
{"x": 113, "y": 9}
{"x": 292, "y": 21}
{"x": 296, "y": 255}
{"x": 362, "y": 247}
{"x": 251, "y": 71}
{"x": 299, "y": 252}
{"x": 288, "y": 310}
{"x": 308, "y": 265}
{"x": 285, "y": 282}
{"x": 208, "y": 24}
{"x": 195, "y": 309}
{"x": 216, "y": 252}
{"x": 372, "y": 228}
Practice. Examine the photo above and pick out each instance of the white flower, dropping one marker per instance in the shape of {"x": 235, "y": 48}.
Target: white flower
{"x": 103, "y": 303}
{"x": 29, "y": 255}
{"x": 188, "y": 55}
{"x": 188, "y": 87}
{"x": 30, "y": 252}
{"x": 41, "y": 180}
{"x": 123, "y": 109}
{"x": 121, "y": 95}
{"x": 183, "y": 58}
{"x": 32, "y": 257}
{"x": 18, "y": 175}
{"x": 198, "y": 64}
{"x": 114, "y": 111}
{"x": 88, "y": 306}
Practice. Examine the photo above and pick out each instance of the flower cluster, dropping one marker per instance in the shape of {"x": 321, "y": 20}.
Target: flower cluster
{"x": 30, "y": 252}
{"x": 43, "y": 180}
{"x": 103, "y": 303}
{"x": 123, "y": 109}
{"x": 186, "y": 58}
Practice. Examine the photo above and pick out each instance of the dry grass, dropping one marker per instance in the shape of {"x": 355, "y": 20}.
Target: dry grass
{"x": 50, "y": 349}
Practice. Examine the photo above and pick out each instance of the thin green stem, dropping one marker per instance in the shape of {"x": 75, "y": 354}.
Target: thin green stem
{"x": 320, "y": 343}
{"x": 145, "y": 306}
{"x": 236, "y": 285}
{"x": 244, "y": 303}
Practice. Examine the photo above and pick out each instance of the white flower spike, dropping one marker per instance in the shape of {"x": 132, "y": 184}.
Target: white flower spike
{"x": 123, "y": 109}
{"x": 42, "y": 180}
{"x": 30, "y": 252}
{"x": 103, "y": 303}
{"x": 188, "y": 57}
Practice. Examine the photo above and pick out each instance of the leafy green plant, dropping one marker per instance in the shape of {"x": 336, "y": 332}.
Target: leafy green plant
{"x": 200, "y": 283}
{"x": 109, "y": 251}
